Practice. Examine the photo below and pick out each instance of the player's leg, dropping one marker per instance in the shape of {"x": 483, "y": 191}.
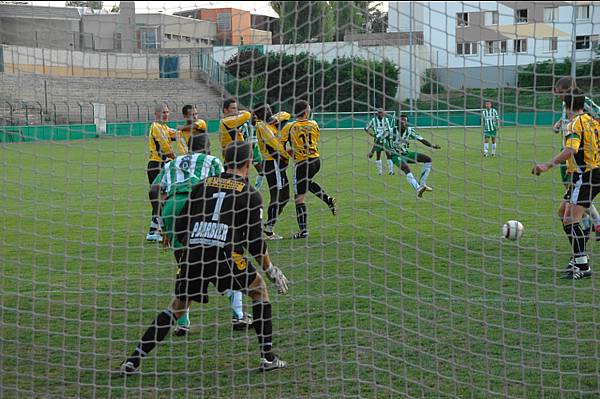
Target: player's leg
{"x": 425, "y": 160}
{"x": 300, "y": 181}
{"x": 279, "y": 191}
{"x": 153, "y": 169}
{"x": 314, "y": 166}
{"x": 493, "y": 145}
{"x": 486, "y": 139}
{"x": 405, "y": 168}
{"x": 371, "y": 152}
{"x": 239, "y": 319}
{"x": 379, "y": 163}
{"x": 388, "y": 155}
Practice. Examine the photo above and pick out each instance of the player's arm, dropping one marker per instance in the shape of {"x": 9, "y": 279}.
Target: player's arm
{"x": 592, "y": 108}
{"x": 423, "y": 141}
{"x": 285, "y": 138}
{"x": 271, "y": 141}
{"x": 165, "y": 146}
{"x": 257, "y": 246}
{"x": 572, "y": 142}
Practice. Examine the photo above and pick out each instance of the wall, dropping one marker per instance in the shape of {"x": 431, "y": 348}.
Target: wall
{"x": 103, "y": 27}
{"x": 477, "y": 77}
{"x": 40, "y": 33}
{"x": 174, "y": 25}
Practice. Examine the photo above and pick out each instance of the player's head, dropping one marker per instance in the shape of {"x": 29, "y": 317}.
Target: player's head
{"x": 564, "y": 85}
{"x": 161, "y": 112}
{"x": 301, "y": 109}
{"x": 190, "y": 113}
{"x": 230, "y": 106}
{"x": 263, "y": 112}
{"x": 380, "y": 113}
{"x": 403, "y": 121}
{"x": 199, "y": 142}
{"x": 575, "y": 101}
{"x": 488, "y": 104}
{"x": 238, "y": 156}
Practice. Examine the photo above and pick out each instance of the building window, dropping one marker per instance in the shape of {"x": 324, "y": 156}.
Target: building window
{"x": 148, "y": 38}
{"x": 467, "y": 48}
{"x": 491, "y": 17}
{"x": 462, "y": 18}
{"x": 551, "y": 44}
{"x": 168, "y": 36}
{"x": 520, "y": 46}
{"x": 224, "y": 22}
{"x": 197, "y": 40}
{"x": 550, "y": 14}
{"x": 495, "y": 46}
{"x": 117, "y": 42}
{"x": 521, "y": 16}
{"x": 187, "y": 39}
{"x": 582, "y": 42}
{"x": 583, "y": 12}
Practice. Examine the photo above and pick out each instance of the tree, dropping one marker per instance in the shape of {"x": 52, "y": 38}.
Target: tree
{"x": 349, "y": 17}
{"x": 378, "y": 21}
{"x": 304, "y": 21}
{"x": 115, "y": 9}
{"x": 94, "y": 5}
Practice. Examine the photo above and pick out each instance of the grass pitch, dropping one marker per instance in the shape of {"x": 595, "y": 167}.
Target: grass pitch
{"x": 394, "y": 297}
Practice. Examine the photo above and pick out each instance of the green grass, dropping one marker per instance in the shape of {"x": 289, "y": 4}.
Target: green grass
{"x": 394, "y": 297}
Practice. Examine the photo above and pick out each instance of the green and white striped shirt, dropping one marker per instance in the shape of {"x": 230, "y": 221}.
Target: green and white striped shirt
{"x": 490, "y": 119}
{"x": 382, "y": 127}
{"x": 589, "y": 107}
{"x": 180, "y": 174}
{"x": 401, "y": 140}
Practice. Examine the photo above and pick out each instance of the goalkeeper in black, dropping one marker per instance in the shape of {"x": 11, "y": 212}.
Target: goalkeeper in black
{"x": 220, "y": 221}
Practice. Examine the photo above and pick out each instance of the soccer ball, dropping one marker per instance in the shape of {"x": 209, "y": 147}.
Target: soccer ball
{"x": 512, "y": 230}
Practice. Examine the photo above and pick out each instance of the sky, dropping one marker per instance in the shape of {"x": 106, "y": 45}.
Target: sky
{"x": 169, "y": 7}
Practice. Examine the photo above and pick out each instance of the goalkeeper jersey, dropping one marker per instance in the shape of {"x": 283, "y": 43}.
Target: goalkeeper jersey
{"x": 179, "y": 175}
{"x": 490, "y": 119}
{"x": 382, "y": 128}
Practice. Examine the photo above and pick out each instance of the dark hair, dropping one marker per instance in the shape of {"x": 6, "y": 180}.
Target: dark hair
{"x": 565, "y": 83}
{"x": 403, "y": 116}
{"x": 575, "y": 101}
{"x": 186, "y": 109}
{"x": 263, "y": 112}
{"x": 228, "y": 102}
{"x": 237, "y": 154}
{"x": 300, "y": 108}
{"x": 198, "y": 142}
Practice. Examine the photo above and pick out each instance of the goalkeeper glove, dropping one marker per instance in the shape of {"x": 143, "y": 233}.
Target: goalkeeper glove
{"x": 278, "y": 278}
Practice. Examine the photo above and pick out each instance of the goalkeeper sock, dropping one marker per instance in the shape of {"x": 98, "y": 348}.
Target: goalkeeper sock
{"x": 577, "y": 239}
{"x": 263, "y": 325}
{"x": 184, "y": 320}
{"x": 485, "y": 148}
{"x": 153, "y": 335}
{"x": 493, "y": 148}
{"x": 379, "y": 167}
{"x": 259, "y": 181}
{"x": 390, "y": 166}
{"x": 412, "y": 181}
{"x": 235, "y": 300}
{"x": 425, "y": 173}
{"x": 301, "y": 216}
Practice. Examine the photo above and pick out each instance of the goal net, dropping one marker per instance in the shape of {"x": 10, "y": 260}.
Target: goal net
{"x": 408, "y": 290}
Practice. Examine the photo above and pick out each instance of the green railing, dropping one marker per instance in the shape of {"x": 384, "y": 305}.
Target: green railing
{"x": 216, "y": 72}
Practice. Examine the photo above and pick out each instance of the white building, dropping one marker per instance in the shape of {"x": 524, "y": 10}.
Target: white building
{"x": 481, "y": 44}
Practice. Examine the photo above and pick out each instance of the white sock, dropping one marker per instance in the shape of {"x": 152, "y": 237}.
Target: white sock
{"x": 155, "y": 223}
{"x": 390, "y": 166}
{"x": 593, "y": 212}
{"x": 412, "y": 181}
{"x": 379, "y": 167}
{"x": 235, "y": 299}
{"x": 493, "y": 148}
{"x": 485, "y": 148}
{"x": 425, "y": 173}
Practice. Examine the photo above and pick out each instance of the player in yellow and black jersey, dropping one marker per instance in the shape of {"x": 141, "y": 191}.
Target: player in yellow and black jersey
{"x": 193, "y": 125}
{"x": 236, "y": 125}
{"x": 303, "y": 134}
{"x": 582, "y": 153}
{"x": 275, "y": 164}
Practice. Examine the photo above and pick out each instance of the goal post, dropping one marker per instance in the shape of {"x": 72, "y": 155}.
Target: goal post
{"x": 401, "y": 284}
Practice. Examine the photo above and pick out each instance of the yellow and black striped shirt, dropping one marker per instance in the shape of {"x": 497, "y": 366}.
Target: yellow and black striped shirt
{"x": 304, "y": 137}
{"x": 582, "y": 135}
{"x": 234, "y": 128}
{"x": 269, "y": 143}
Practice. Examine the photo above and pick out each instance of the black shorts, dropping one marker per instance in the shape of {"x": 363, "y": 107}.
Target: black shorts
{"x": 276, "y": 175}
{"x": 304, "y": 172}
{"x": 583, "y": 188}
{"x": 193, "y": 278}
{"x": 153, "y": 169}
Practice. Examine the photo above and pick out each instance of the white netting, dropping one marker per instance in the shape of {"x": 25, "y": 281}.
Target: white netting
{"x": 406, "y": 292}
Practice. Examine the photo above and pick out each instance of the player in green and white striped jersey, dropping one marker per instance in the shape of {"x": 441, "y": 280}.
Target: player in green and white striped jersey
{"x": 564, "y": 86}
{"x": 174, "y": 184}
{"x": 380, "y": 128}
{"x": 489, "y": 121}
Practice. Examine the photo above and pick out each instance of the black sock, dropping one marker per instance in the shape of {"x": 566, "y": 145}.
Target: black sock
{"x": 301, "y": 216}
{"x": 263, "y": 325}
{"x": 318, "y": 191}
{"x": 153, "y": 335}
{"x": 577, "y": 238}
{"x": 272, "y": 213}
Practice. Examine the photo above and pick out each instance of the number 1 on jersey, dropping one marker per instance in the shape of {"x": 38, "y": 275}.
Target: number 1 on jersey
{"x": 217, "y": 211}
